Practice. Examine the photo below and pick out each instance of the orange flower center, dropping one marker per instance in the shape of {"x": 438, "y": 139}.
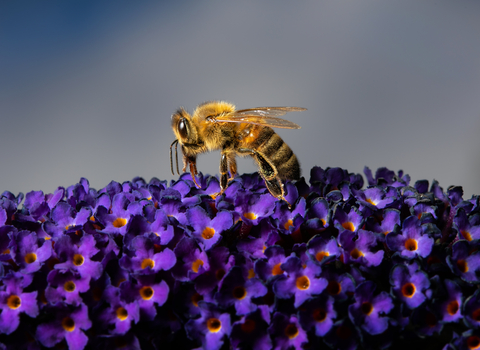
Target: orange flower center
{"x": 291, "y": 331}
{"x": 408, "y": 289}
{"x": 119, "y": 222}
{"x": 122, "y": 314}
{"x": 208, "y": 233}
{"x": 14, "y": 302}
{"x": 30, "y": 258}
{"x": 411, "y": 244}
{"x": 148, "y": 263}
{"x": 146, "y": 293}
{"x": 78, "y": 260}
{"x": 303, "y": 283}
{"x": 68, "y": 324}
{"x": 214, "y": 325}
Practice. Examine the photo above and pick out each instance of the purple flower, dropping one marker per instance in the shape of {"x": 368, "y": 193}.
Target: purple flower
{"x": 471, "y": 310}
{"x": 143, "y": 256}
{"x": 219, "y": 263}
{"x": 388, "y": 222}
{"x": 468, "y": 227}
{"x": 451, "y": 304}
{"x": 409, "y": 286}
{"x": 238, "y": 291}
{"x": 192, "y": 261}
{"x": 251, "y": 331}
{"x": 287, "y": 219}
{"x": 210, "y": 328}
{"x": 28, "y": 251}
{"x": 13, "y": 301}
{"x": 39, "y": 205}
{"x": 68, "y": 324}
{"x": 322, "y": 250}
{"x": 205, "y": 230}
{"x": 256, "y": 207}
{"x": 69, "y": 219}
{"x": 411, "y": 241}
{"x": 425, "y": 319}
{"x": 351, "y": 221}
{"x": 66, "y": 286}
{"x": 78, "y": 257}
{"x": 318, "y": 215}
{"x": 122, "y": 209}
{"x": 259, "y": 238}
{"x": 340, "y": 286}
{"x": 270, "y": 267}
{"x": 361, "y": 250}
{"x": 318, "y": 312}
{"x": 424, "y": 212}
{"x": 465, "y": 261}
{"x": 469, "y": 339}
{"x": 161, "y": 227}
{"x": 118, "y": 314}
{"x": 373, "y": 198}
{"x": 147, "y": 293}
{"x": 384, "y": 176}
{"x": 369, "y": 311}
{"x": 300, "y": 282}
{"x": 3, "y": 217}
{"x": 286, "y": 332}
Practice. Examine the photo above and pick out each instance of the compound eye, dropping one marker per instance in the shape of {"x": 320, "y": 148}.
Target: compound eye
{"x": 182, "y": 128}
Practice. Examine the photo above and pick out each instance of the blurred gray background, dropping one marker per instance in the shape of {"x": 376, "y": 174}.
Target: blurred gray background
{"x": 87, "y": 87}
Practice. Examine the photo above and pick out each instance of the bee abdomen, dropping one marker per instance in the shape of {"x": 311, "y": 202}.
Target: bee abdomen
{"x": 281, "y": 155}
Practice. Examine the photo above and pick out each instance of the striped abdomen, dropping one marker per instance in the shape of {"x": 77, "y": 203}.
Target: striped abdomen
{"x": 263, "y": 139}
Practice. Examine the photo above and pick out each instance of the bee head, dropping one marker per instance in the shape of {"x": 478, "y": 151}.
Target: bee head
{"x": 183, "y": 128}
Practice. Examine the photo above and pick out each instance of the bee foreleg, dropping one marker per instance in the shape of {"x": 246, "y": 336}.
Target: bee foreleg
{"x": 269, "y": 173}
{"x": 191, "y": 161}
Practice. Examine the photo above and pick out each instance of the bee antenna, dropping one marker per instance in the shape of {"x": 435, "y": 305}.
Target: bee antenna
{"x": 171, "y": 160}
{"x": 176, "y": 158}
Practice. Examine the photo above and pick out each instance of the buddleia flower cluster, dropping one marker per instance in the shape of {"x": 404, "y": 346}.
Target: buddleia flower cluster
{"x": 152, "y": 265}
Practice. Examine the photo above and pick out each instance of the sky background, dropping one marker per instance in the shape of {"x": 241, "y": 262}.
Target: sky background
{"x": 87, "y": 88}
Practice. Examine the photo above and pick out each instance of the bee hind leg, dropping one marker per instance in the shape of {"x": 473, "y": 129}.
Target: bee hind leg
{"x": 269, "y": 173}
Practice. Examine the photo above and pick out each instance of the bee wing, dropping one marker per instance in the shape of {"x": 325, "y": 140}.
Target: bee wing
{"x": 265, "y": 116}
{"x": 269, "y": 111}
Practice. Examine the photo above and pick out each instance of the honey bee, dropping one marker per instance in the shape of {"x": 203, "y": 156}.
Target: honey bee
{"x": 217, "y": 125}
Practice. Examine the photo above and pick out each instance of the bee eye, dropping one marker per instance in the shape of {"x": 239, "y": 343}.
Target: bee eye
{"x": 182, "y": 128}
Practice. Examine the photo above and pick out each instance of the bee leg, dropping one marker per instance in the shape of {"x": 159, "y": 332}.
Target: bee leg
{"x": 192, "y": 162}
{"x": 232, "y": 165}
{"x": 269, "y": 173}
{"x": 223, "y": 171}
{"x": 227, "y": 162}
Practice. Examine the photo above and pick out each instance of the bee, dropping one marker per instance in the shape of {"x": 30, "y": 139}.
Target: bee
{"x": 217, "y": 125}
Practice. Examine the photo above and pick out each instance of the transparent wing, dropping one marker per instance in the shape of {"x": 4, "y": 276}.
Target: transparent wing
{"x": 269, "y": 111}
{"x": 265, "y": 116}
